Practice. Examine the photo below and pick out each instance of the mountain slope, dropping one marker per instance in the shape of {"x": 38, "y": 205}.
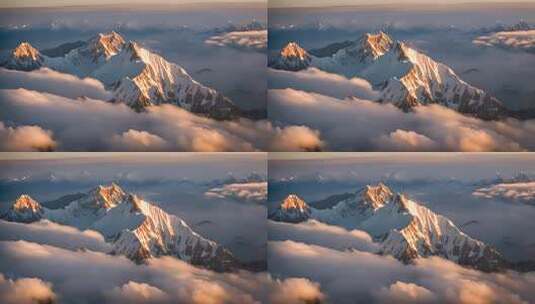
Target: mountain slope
{"x": 135, "y": 228}
{"x": 404, "y": 76}
{"x": 407, "y": 230}
{"x": 135, "y": 76}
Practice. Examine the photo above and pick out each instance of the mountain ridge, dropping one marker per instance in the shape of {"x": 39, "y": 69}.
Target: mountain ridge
{"x": 134, "y": 75}
{"x": 134, "y": 227}
{"x": 404, "y": 228}
{"x": 404, "y": 76}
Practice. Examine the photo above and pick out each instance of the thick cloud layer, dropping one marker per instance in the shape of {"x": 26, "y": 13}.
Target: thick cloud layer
{"x": 251, "y": 192}
{"x": 254, "y": 40}
{"x": 317, "y": 233}
{"x": 95, "y": 125}
{"x": 112, "y": 279}
{"x": 318, "y": 81}
{"x": 356, "y": 276}
{"x": 26, "y": 138}
{"x": 25, "y": 291}
{"x": 521, "y": 192}
{"x": 46, "y": 232}
{"x": 517, "y": 40}
{"x": 50, "y": 81}
{"x": 360, "y": 125}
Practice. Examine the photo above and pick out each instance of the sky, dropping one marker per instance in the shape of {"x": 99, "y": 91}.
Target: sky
{"x": 39, "y": 3}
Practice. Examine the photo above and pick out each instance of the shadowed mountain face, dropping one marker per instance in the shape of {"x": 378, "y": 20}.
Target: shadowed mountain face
{"x": 135, "y": 76}
{"x": 405, "y": 77}
{"x": 404, "y": 228}
{"x": 135, "y": 228}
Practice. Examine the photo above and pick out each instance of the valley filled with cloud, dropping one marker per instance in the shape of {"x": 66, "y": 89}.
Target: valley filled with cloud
{"x": 43, "y": 116}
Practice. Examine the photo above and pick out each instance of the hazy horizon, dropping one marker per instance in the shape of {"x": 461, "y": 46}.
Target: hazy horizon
{"x": 388, "y": 3}
{"x": 85, "y": 3}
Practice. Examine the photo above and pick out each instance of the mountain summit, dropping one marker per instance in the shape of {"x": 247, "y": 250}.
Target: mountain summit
{"x": 135, "y": 228}
{"x": 292, "y": 58}
{"x": 404, "y": 228}
{"x": 25, "y": 210}
{"x": 370, "y": 47}
{"x": 292, "y": 209}
{"x": 24, "y": 57}
{"x": 135, "y": 75}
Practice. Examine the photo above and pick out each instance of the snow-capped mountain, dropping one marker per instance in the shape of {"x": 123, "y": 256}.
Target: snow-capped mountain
{"x": 404, "y": 76}
{"x": 292, "y": 209}
{"x": 135, "y": 227}
{"x": 407, "y": 230}
{"x": 24, "y": 210}
{"x": 291, "y": 58}
{"x": 24, "y": 57}
{"x": 135, "y": 76}
{"x": 253, "y": 25}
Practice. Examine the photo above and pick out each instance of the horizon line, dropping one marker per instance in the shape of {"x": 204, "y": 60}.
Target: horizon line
{"x": 411, "y": 4}
{"x": 139, "y": 4}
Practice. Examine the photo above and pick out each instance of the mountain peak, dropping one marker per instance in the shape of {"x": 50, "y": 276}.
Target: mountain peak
{"x": 292, "y": 57}
{"x": 105, "y": 44}
{"x": 107, "y": 196}
{"x": 377, "y": 44}
{"x": 26, "y": 202}
{"x": 376, "y": 196}
{"x": 24, "y": 57}
{"x": 293, "y": 201}
{"x": 370, "y": 47}
{"x": 293, "y": 50}
{"x": 291, "y": 209}
{"x": 24, "y": 209}
{"x": 26, "y": 50}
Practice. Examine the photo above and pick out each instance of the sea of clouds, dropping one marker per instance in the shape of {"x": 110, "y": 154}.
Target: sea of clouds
{"x": 348, "y": 271}
{"x": 47, "y": 110}
{"x": 43, "y": 261}
{"x": 345, "y": 117}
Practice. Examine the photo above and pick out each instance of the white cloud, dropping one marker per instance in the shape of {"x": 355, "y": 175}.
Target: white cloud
{"x": 401, "y": 292}
{"x": 94, "y": 125}
{"x": 46, "y": 232}
{"x": 26, "y": 138}
{"x": 519, "y": 40}
{"x": 111, "y": 279}
{"x": 318, "y": 81}
{"x": 356, "y": 276}
{"x": 360, "y": 125}
{"x": 47, "y": 80}
{"x": 255, "y": 40}
{"x": 134, "y": 140}
{"x": 297, "y": 138}
{"x": 25, "y": 291}
{"x": 133, "y": 292}
{"x": 317, "y": 233}
{"x": 401, "y": 140}
{"x": 523, "y": 192}
{"x": 253, "y": 192}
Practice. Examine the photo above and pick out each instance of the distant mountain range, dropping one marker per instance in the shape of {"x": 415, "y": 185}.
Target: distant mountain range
{"x": 404, "y": 228}
{"x": 135, "y": 228}
{"x": 135, "y": 76}
{"x": 404, "y": 76}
